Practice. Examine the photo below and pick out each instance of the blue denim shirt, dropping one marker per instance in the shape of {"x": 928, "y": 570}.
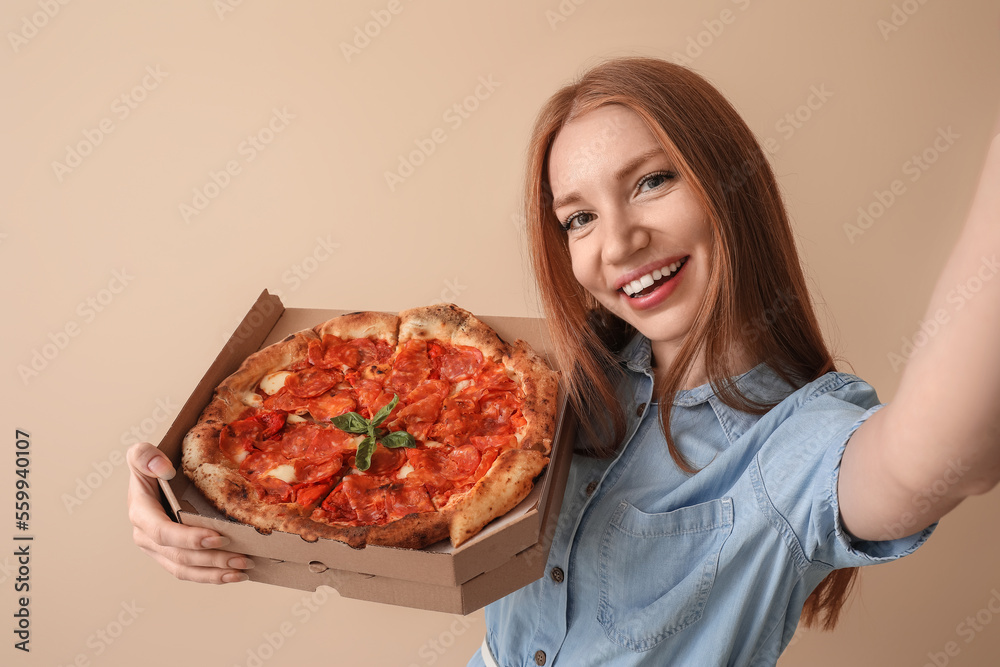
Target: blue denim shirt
{"x": 653, "y": 566}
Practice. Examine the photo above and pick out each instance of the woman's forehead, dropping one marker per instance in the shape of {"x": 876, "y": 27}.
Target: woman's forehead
{"x": 598, "y": 143}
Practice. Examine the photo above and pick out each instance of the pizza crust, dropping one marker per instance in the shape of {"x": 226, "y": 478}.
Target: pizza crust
{"x": 282, "y": 354}
{"x": 506, "y": 484}
{"x": 361, "y": 325}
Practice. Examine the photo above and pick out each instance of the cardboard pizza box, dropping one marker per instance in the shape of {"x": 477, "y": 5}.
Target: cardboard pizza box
{"x": 508, "y": 554}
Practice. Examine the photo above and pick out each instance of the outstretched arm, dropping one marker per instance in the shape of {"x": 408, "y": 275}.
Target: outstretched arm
{"x": 938, "y": 441}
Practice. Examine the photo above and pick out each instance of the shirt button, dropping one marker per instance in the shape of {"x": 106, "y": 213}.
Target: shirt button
{"x": 539, "y": 658}
{"x": 639, "y": 408}
{"x": 557, "y": 575}
{"x": 591, "y": 488}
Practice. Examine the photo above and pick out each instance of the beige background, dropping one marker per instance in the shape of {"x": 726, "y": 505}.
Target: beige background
{"x": 448, "y": 232}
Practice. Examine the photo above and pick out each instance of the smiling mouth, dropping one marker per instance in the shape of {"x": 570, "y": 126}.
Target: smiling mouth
{"x": 648, "y": 283}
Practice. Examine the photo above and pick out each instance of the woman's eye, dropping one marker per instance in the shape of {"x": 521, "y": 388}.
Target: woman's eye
{"x": 576, "y": 220}
{"x": 655, "y": 180}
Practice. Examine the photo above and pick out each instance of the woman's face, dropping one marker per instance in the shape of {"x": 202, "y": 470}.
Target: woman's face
{"x": 639, "y": 240}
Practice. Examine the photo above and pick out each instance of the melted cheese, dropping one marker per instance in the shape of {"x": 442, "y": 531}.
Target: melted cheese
{"x": 253, "y": 400}
{"x": 295, "y": 419}
{"x": 404, "y": 471}
{"x": 273, "y": 382}
{"x": 286, "y": 473}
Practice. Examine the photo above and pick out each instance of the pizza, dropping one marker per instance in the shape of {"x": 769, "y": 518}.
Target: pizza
{"x": 377, "y": 428}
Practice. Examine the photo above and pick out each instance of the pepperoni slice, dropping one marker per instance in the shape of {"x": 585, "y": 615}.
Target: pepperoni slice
{"x": 273, "y": 490}
{"x": 485, "y": 463}
{"x": 237, "y": 438}
{"x": 325, "y": 407}
{"x": 336, "y": 508}
{"x": 310, "y": 494}
{"x": 365, "y": 498}
{"x": 312, "y": 382}
{"x": 411, "y": 367}
{"x": 285, "y": 401}
{"x": 494, "y": 377}
{"x": 376, "y": 501}
{"x": 485, "y": 442}
{"x": 240, "y": 436}
{"x": 296, "y": 441}
{"x": 307, "y": 472}
{"x": 442, "y": 464}
{"x": 386, "y": 461}
{"x": 333, "y": 352}
{"x": 404, "y": 499}
{"x": 372, "y": 397}
{"x": 465, "y": 460}
{"x": 260, "y": 462}
{"x": 460, "y": 363}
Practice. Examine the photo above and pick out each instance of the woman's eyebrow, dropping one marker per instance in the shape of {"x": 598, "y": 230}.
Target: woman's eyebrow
{"x": 620, "y": 174}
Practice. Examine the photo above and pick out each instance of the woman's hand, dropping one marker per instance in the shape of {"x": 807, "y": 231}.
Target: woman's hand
{"x": 187, "y": 552}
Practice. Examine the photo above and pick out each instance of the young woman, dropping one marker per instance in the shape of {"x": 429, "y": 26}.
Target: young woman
{"x": 728, "y": 479}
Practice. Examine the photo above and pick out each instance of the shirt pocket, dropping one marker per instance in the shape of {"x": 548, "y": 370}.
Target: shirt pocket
{"x": 657, "y": 570}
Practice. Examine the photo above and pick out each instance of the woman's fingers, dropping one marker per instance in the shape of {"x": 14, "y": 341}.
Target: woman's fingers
{"x": 187, "y": 552}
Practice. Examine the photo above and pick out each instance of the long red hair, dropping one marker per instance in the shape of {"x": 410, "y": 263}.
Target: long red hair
{"x": 757, "y": 301}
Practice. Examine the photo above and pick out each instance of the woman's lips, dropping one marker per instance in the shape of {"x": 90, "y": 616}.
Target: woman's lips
{"x": 653, "y": 291}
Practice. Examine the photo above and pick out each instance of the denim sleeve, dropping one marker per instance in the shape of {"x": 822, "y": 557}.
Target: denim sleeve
{"x": 798, "y": 467}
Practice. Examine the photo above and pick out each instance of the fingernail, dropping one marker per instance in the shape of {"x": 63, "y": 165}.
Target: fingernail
{"x": 234, "y": 577}
{"x": 241, "y": 563}
{"x": 215, "y": 542}
{"x": 161, "y": 468}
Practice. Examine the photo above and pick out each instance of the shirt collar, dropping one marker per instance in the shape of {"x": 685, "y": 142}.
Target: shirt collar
{"x": 759, "y": 382}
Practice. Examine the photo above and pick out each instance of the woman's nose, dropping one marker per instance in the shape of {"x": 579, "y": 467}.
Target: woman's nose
{"x": 623, "y": 236}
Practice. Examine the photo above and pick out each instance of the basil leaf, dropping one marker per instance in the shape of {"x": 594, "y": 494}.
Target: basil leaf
{"x": 399, "y": 439}
{"x": 384, "y": 412}
{"x": 351, "y": 422}
{"x": 363, "y": 458}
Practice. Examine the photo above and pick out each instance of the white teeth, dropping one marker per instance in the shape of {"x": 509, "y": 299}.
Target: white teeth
{"x": 645, "y": 281}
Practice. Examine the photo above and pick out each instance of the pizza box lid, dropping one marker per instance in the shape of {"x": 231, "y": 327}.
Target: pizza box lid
{"x": 497, "y": 547}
